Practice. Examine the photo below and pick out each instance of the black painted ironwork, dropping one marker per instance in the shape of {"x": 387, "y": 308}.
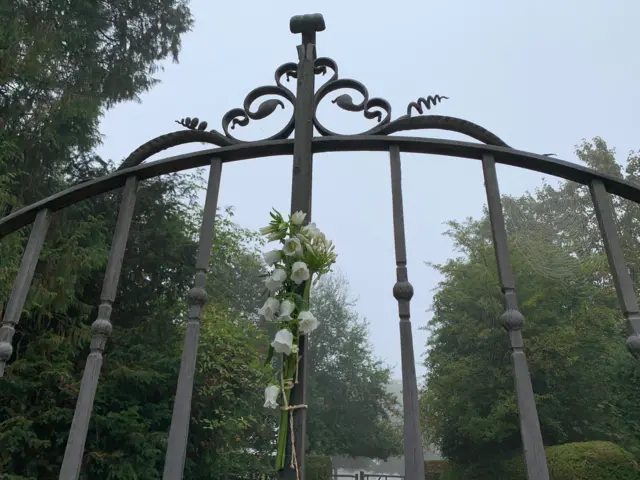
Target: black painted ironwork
{"x": 302, "y": 147}
{"x": 619, "y": 270}
{"x": 513, "y": 321}
{"x": 100, "y": 330}
{"x": 21, "y": 285}
{"x": 403, "y": 293}
{"x": 301, "y": 187}
{"x": 197, "y": 296}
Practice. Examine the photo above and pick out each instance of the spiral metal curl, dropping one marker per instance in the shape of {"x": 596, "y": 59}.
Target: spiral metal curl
{"x": 426, "y": 103}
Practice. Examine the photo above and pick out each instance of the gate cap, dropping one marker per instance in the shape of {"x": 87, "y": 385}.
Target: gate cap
{"x": 309, "y": 23}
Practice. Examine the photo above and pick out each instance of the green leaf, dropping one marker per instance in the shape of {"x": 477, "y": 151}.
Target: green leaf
{"x": 269, "y": 356}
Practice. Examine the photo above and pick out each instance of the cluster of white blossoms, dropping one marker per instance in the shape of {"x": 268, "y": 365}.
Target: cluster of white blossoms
{"x": 304, "y": 254}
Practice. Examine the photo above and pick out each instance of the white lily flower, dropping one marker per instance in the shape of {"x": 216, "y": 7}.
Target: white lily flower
{"x": 297, "y": 218}
{"x": 275, "y": 281}
{"x": 286, "y": 309}
{"x": 292, "y": 247}
{"x": 300, "y": 272}
{"x": 270, "y": 309}
{"x": 308, "y": 323}
{"x": 283, "y": 343}
{"x": 271, "y": 394}
{"x": 272, "y": 257}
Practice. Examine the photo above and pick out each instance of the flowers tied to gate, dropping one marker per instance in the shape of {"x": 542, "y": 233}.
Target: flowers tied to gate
{"x": 303, "y": 255}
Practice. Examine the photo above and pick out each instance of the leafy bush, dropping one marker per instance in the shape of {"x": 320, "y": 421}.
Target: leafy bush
{"x": 474, "y": 472}
{"x": 571, "y": 461}
{"x": 582, "y": 461}
{"x": 454, "y": 472}
{"x": 319, "y": 468}
{"x": 433, "y": 469}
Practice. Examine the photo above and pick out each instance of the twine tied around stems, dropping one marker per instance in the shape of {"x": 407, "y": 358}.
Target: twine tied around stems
{"x": 294, "y": 456}
{"x": 288, "y": 384}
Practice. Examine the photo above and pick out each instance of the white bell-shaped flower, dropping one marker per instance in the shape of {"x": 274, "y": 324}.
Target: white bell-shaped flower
{"x": 298, "y": 218}
{"x": 286, "y": 309}
{"x": 271, "y": 394}
{"x": 311, "y": 231}
{"x": 275, "y": 281}
{"x": 272, "y": 257}
{"x": 307, "y": 322}
{"x": 270, "y": 309}
{"x": 300, "y": 272}
{"x": 283, "y": 342}
{"x": 292, "y": 247}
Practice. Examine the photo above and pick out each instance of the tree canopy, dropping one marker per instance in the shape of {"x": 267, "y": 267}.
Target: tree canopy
{"x": 347, "y": 384}
{"x": 62, "y": 65}
{"x": 585, "y": 382}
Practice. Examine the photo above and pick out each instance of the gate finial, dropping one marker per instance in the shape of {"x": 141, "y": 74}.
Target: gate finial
{"x": 307, "y": 24}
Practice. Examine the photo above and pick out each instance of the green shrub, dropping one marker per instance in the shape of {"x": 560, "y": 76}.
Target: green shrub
{"x": 474, "y": 472}
{"x": 433, "y": 469}
{"x": 572, "y": 461}
{"x": 454, "y": 472}
{"x": 318, "y": 468}
{"x": 582, "y": 461}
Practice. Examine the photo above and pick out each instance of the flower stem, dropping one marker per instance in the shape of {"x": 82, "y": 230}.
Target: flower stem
{"x": 307, "y": 292}
{"x": 282, "y": 440}
{"x": 288, "y": 370}
{"x": 289, "y": 366}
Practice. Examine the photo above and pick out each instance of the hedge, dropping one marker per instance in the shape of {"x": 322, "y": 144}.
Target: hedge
{"x": 582, "y": 461}
{"x": 571, "y": 461}
{"x": 433, "y": 469}
{"x": 319, "y": 468}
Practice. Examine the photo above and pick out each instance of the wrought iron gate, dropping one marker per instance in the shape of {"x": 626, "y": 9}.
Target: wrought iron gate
{"x": 302, "y": 146}
{"x": 367, "y": 476}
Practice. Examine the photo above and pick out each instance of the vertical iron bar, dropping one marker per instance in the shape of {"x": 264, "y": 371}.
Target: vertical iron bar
{"x": 21, "y": 285}
{"x": 301, "y": 185}
{"x": 403, "y": 292}
{"x": 100, "y": 331}
{"x": 179, "y": 430}
{"x": 617, "y": 264}
{"x": 513, "y": 320}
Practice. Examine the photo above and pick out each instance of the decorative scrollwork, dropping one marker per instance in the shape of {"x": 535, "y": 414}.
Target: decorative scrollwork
{"x": 372, "y": 108}
{"x": 380, "y": 110}
{"x": 430, "y": 101}
{"x": 242, "y": 116}
{"x": 287, "y": 70}
{"x": 197, "y": 130}
{"x": 377, "y": 109}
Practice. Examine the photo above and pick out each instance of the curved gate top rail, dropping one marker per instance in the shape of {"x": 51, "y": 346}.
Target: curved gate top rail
{"x": 353, "y": 143}
{"x": 302, "y": 146}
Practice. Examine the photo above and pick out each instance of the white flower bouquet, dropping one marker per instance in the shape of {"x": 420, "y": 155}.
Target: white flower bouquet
{"x": 303, "y": 256}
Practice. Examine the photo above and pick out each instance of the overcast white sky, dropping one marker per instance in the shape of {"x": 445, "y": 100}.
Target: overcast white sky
{"x": 541, "y": 75}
